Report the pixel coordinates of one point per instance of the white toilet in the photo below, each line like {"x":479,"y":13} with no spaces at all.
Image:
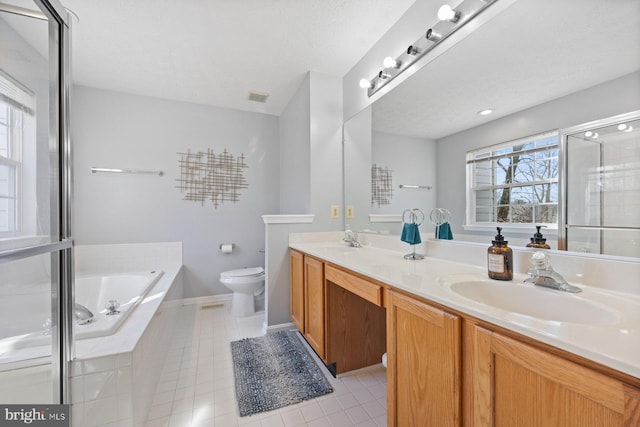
{"x":246,"y":284}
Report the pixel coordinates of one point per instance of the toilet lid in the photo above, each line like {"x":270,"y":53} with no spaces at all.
{"x":244,"y":272}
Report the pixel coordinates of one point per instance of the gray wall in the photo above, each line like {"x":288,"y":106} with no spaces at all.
{"x":357,"y":168}
{"x":311,"y":150}
{"x":618,"y":96}
{"x":295,"y":148}
{"x":118,"y":130}
{"x":311,"y":178}
{"x":325,"y":129}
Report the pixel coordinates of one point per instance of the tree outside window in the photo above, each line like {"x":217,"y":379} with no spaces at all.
{"x":515,"y":183}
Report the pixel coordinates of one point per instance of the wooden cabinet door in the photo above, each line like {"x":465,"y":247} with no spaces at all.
{"x":314,"y":313}
{"x":516,"y":385}
{"x":423,"y":364}
{"x":296,"y":265}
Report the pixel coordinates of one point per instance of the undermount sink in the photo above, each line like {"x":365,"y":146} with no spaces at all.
{"x":529,"y":300}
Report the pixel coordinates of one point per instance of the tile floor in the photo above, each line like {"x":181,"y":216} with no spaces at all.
{"x":196,"y":386}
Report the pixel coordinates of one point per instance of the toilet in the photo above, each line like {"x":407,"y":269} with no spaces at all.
{"x":246,"y":284}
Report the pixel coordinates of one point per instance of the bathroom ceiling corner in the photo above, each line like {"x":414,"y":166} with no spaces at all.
{"x":214,"y":52}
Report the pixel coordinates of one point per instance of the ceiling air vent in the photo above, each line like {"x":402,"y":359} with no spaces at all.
{"x":258,"y":96}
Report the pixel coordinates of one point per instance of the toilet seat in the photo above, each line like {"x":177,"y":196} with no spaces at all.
{"x":243,"y":272}
{"x":243,"y":275}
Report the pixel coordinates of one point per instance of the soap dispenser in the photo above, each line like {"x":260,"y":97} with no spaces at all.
{"x":537,"y":241}
{"x":500,"y":258}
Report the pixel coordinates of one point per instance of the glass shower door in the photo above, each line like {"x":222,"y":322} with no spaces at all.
{"x":35,"y":244}
{"x":603,"y":187}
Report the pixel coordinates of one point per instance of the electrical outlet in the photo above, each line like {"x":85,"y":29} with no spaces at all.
{"x":349,"y":212}
{"x":335,"y":211}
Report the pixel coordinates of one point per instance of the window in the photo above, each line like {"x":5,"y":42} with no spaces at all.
{"x":515,"y":182}
{"x":16,"y":102}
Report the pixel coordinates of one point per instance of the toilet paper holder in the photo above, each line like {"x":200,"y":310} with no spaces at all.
{"x":226,"y":245}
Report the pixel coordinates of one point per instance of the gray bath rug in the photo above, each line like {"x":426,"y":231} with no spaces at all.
{"x":275,"y":371}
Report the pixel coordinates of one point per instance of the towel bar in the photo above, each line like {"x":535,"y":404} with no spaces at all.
{"x":428,"y":187}
{"x":113,"y":170}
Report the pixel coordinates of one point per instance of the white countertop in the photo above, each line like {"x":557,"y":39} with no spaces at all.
{"x":614,"y":343}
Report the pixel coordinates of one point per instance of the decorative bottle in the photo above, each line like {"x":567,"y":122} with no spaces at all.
{"x":537,"y":241}
{"x":500,"y":258}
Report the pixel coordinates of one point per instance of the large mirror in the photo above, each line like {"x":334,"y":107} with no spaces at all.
{"x":539,"y":65}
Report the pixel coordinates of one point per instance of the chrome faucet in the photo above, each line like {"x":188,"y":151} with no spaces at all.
{"x":542,"y":274}
{"x":351,"y":238}
{"x":82,"y":314}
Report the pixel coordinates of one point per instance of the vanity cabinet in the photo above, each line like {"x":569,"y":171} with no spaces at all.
{"x":423,"y":364}
{"x":314,"y":305}
{"x":307,"y":299}
{"x":340,"y":314}
{"x":446,"y":368}
{"x":356,"y":321}
{"x":516,"y":384}
{"x":296,"y":283}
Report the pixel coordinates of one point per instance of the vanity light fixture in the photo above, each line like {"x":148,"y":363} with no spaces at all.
{"x":433,"y":36}
{"x":389,"y":62}
{"x":412,"y":50}
{"x":447,"y":13}
{"x":485,"y":112}
{"x":449,"y":21}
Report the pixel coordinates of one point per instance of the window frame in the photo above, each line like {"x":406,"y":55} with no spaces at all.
{"x":473,"y":189}
{"x":14,"y":162}
{"x":19,"y":101}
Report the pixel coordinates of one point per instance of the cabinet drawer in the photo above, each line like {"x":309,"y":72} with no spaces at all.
{"x":361,"y":287}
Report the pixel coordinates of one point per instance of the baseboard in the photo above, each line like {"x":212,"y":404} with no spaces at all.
{"x":208,"y":300}
{"x":277,"y":328}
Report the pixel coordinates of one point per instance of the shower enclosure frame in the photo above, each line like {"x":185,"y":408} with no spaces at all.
{"x":563,"y":214}
{"x":59,"y":131}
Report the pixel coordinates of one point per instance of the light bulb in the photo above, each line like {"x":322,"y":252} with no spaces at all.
{"x":588,"y":134}
{"x":629,"y":129}
{"x":447,"y":13}
{"x":365,"y":84}
{"x":485,"y":112}
{"x":389,"y":62}
{"x":622,"y":126}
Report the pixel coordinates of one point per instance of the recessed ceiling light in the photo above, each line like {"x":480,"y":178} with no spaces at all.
{"x":485,"y":112}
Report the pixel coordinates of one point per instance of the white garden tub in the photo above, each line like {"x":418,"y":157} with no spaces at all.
{"x":26,"y":311}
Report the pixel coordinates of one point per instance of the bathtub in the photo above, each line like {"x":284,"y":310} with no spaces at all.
{"x":25,"y":334}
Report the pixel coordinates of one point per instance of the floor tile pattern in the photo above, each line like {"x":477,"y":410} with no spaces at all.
{"x":196,"y":387}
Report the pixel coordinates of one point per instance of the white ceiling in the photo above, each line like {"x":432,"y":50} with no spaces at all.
{"x":215,"y":51}
{"x":533,"y":52}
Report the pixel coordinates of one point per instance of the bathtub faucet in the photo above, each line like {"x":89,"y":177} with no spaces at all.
{"x":82,"y":314}
{"x":112,"y":307}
